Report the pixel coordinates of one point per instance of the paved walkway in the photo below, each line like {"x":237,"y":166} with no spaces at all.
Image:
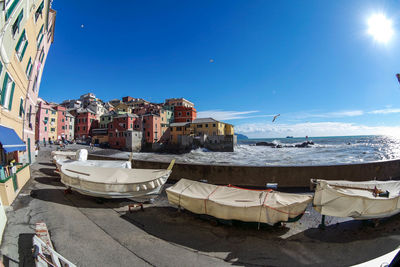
{"x":90,"y":233}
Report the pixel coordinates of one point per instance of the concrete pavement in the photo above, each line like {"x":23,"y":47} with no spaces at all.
{"x":93,"y":233}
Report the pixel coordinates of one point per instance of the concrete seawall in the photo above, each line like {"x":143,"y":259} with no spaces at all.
{"x":285,"y":176}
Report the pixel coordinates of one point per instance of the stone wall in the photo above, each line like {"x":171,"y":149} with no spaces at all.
{"x":285,"y":176}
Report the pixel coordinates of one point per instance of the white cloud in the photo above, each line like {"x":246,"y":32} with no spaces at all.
{"x":260,"y":130}
{"x":336,"y":114}
{"x":385,"y":111}
{"x":229,"y":115}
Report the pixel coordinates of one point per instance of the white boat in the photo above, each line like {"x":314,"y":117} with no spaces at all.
{"x":359,"y":200}
{"x":63,"y":155}
{"x":95,"y":163}
{"x":115,"y":182}
{"x":382,"y":261}
{"x":80,"y":159}
{"x":232,"y":203}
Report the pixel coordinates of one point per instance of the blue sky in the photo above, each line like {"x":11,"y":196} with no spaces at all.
{"x":313,"y":62}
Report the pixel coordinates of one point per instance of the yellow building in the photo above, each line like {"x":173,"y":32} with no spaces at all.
{"x":210,"y":126}
{"x":198,"y":127}
{"x":27,"y":28}
{"x":52,"y":130}
{"x":122,"y":107}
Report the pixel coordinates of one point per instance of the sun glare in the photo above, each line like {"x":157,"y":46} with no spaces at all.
{"x":380,"y":28}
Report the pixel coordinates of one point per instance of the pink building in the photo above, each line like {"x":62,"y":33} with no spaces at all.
{"x":34,"y":73}
{"x":42,"y":127}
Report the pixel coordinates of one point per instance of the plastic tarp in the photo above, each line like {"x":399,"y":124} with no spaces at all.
{"x":113,"y":182}
{"x":350,"y":199}
{"x":99,"y":163}
{"x":231,"y":203}
{"x":10,"y":141}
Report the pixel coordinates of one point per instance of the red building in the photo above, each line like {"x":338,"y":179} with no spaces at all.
{"x":151,"y":128}
{"x":127,"y":99}
{"x":119,"y":126}
{"x":184,"y":114}
{"x":62,"y":127}
{"x":85,"y":120}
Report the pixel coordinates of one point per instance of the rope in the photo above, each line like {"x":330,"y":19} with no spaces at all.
{"x":259,"y":217}
{"x":180,"y":194}
{"x":205,"y":200}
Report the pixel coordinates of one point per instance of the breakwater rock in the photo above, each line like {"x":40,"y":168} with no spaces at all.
{"x":304,"y":144}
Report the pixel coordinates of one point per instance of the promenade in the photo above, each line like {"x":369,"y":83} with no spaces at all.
{"x":95,"y":233}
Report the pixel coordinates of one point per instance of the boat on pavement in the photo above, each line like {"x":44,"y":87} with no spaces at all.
{"x":136,"y":184}
{"x":233,"y":203}
{"x":359,"y":200}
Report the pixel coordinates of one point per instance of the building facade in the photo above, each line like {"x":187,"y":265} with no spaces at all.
{"x":178,"y":102}
{"x":85,"y":120}
{"x":184,"y":114}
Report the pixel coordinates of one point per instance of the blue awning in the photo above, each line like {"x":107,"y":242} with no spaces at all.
{"x":10,"y":140}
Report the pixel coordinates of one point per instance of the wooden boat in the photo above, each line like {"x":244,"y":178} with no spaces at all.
{"x":360,"y":200}
{"x":115,"y":182}
{"x":43,"y":251}
{"x":233,"y":203}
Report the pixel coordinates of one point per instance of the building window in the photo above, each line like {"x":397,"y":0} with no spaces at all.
{"x":21,"y":108}
{"x":131,"y":125}
{"x":187,"y":113}
{"x":148,"y":134}
{"x":41,"y":56}
{"x":110,"y":126}
{"x":53,"y":129}
{"x":70,"y":127}
{"x":15,"y":27}
{"x":11,"y":8}
{"x":29,"y":116}
{"x":78,"y":128}
{"x":63,"y":127}
{"x":206,"y":125}
{"x":123,"y":126}
{"x":39,"y":11}
{"x":187,"y":120}
{"x":179,"y":113}
{"x":199,"y":126}
{"x":84,"y":128}
{"x":179,"y":128}
{"x":53,"y":112}
{"x":39,"y":37}
{"x":21,"y":46}
{"x":110,"y":135}
{"x":214,"y":125}
{"x":62,"y":120}
{"x":28,"y":70}
{"x":53,"y":120}
{"x":7,"y":92}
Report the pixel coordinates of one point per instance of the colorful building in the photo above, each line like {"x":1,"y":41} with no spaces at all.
{"x":178,"y":102}
{"x":184,"y":114}
{"x":42,"y":119}
{"x":151,"y":124}
{"x":61,"y":121}
{"x":85,"y":120}
{"x":53,"y":121}
{"x":118,"y":128}
{"x":69,"y":126}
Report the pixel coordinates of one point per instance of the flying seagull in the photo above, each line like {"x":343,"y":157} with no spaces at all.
{"x":276,"y":116}
{"x":398,"y":77}
{"x":211,"y":60}
{"x":82,"y":26}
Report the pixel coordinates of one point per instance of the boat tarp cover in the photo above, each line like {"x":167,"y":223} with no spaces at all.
{"x":98,"y":163}
{"x":100,"y":179}
{"x":231,"y":203}
{"x":350,"y":201}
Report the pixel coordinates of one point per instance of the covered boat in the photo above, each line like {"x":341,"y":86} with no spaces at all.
{"x":115,"y":182}
{"x":233,"y":203}
{"x":80,"y":159}
{"x":360,"y":200}
{"x":63,"y":155}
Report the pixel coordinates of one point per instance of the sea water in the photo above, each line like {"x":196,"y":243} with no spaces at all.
{"x":325,"y":151}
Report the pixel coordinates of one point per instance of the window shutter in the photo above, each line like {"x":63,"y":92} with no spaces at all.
{"x":20,"y":40}
{"x":11,"y":96}
{"x":3,"y":92}
{"x":21,"y":108}
{"x":23,"y":51}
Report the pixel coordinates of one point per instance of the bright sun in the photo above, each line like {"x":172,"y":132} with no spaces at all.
{"x":380,"y":27}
